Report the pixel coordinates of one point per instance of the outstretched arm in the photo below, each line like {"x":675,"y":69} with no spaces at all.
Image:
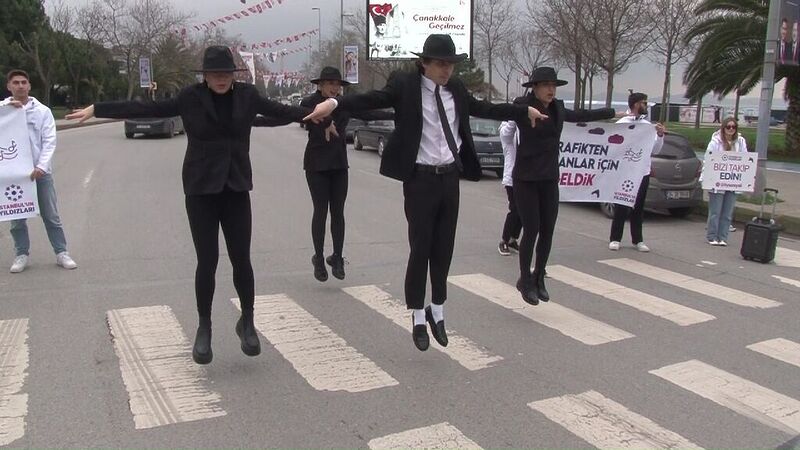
{"x":588,"y":115}
{"x":380,"y":99}
{"x":504,"y":111}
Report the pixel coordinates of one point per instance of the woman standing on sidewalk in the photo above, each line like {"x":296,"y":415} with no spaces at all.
{"x":721,"y":203}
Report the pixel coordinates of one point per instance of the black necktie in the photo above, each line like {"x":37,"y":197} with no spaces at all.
{"x":448,"y":133}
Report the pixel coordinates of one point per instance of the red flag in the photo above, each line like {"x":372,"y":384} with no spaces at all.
{"x":237,"y":15}
{"x":253,"y":10}
{"x":259,"y":8}
{"x":244,"y":13}
{"x":267,"y":2}
{"x":228,"y":18}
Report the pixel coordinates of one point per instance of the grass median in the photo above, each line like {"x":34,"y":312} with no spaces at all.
{"x":699,"y":137}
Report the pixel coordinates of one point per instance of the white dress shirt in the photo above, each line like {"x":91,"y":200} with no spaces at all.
{"x":509,"y":138}
{"x":41,"y":132}
{"x":433,"y":148}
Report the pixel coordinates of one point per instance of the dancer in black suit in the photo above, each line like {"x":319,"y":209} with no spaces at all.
{"x":430,"y":146}
{"x":217,"y":177}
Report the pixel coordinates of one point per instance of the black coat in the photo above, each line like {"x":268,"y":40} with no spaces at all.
{"x":537,"y":152}
{"x":216,"y":158}
{"x":403,"y":92}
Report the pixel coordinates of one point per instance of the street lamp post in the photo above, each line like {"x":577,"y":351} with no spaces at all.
{"x":319,"y":30}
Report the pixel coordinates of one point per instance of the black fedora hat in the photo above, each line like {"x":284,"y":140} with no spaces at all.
{"x":441,"y":46}
{"x":218,"y":58}
{"x":543,"y":74}
{"x":329,"y":73}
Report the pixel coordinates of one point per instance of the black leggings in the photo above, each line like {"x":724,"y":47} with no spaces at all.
{"x":537,"y":204}
{"x":206,"y":214}
{"x":328,"y":188}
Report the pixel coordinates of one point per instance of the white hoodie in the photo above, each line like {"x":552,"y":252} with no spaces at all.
{"x":41,"y":131}
{"x":716,"y":145}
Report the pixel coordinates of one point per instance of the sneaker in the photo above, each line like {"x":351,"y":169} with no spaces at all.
{"x":20,"y":263}
{"x":731,"y":229}
{"x":513,"y":245}
{"x":613,"y":245}
{"x":502,"y":248}
{"x":722,"y":244}
{"x":642,"y":247}
{"x":715,"y":243}
{"x":63,"y":260}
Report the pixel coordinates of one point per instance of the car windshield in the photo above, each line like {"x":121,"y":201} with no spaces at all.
{"x":675,"y":147}
{"x":484,"y":127}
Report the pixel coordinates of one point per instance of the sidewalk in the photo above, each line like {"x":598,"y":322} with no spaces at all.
{"x":64,"y":124}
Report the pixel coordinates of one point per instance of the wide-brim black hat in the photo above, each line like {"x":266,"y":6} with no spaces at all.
{"x":218,"y":58}
{"x":441,"y":46}
{"x":543,"y":74}
{"x":330,"y":74}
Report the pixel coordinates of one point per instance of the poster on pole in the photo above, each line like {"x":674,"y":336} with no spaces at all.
{"x":145,"y":75}
{"x":788,"y":53}
{"x":18,"y":197}
{"x":604,"y":162}
{"x":350,"y":63}
{"x":730,"y":171}
{"x":249,"y":62}
{"x":395,"y":29}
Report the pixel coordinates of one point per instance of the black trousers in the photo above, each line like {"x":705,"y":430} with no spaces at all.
{"x":328,"y":192}
{"x":431,"y":206}
{"x":206,"y":213}
{"x":537,"y":203}
{"x":513,"y":224}
{"x":636,"y":214}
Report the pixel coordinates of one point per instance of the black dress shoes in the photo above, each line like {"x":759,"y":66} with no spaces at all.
{"x":420,"y":335}
{"x":320,"y":272}
{"x":337,"y":265}
{"x":538,"y":279}
{"x":528,"y":290}
{"x":201,"y":353}
{"x":437,"y":328}
{"x":246,"y":330}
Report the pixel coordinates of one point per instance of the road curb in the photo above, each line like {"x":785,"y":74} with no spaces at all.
{"x":67,"y":126}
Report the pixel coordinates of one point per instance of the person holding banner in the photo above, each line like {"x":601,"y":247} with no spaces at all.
{"x":42,"y":138}
{"x":721,"y":203}
{"x":217,"y":177}
{"x":430,"y":146}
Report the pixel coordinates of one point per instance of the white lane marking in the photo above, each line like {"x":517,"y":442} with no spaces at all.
{"x":439,"y":436}
{"x":788,"y":281}
{"x":13,"y":366}
{"x":679,"y":314}
{"x":780,"y":349}
{"x":787,"y":257}
{"x":317,"y":353}
{"x":710,"y":263}
{"x":689,"y":283}
{"x":88,"y":178}
{"x":459,"y":348}
{"x":568,"y":322}
{"x":164,"y":384}
{"x":742,"y":396}
{"x":605,"y":423}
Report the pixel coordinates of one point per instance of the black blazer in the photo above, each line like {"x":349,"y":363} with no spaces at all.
{"x":403,"y":92}
{"x":538,"y":149}
{"x":216,"y":158}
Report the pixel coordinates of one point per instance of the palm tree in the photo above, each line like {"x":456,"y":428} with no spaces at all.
{"x":730,"y":56}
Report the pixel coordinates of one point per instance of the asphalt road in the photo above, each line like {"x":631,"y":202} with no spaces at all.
{"x":686,"y":345}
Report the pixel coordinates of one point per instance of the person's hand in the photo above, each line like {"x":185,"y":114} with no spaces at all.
{"x":331,"y":131}
{"x":534,"y":114}
{"x":15,"y":103}
{"x":660,"y":129}
{"x":621,"y":114}
{"x":321,"y":111}
{"x":37,"y":173}
{"x":81,"y":115}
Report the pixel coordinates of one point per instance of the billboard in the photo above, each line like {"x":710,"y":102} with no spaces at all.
{"x":350,"y":63}
{"x":788,"y":53}
{"x":398,"y":28}
{"x":145,"y":77}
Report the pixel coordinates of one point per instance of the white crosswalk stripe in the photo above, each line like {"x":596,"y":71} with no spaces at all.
{"x":780,"y":349}
{"x":13,"y":370}
{"x":689,"y":283}
{"x":679,"y":314}
{"x":459,"y":348}
{"x":742,"y":396}
{"x":439,"y":436}
{"x":164,"y":385}
{"x":319,"y":355}
{"x":789,"y":281}
{"x":605,"y":423}
{"x":560,"y":318}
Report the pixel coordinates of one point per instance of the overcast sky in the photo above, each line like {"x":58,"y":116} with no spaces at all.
{"x":296,"y":16}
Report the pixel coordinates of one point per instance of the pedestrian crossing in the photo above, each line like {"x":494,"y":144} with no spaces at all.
{"x":13,"y":371}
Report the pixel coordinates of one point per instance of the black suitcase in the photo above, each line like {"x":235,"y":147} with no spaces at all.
{"x":761,"y":234}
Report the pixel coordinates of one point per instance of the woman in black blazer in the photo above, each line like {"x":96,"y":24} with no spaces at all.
{"x":217,"y":177}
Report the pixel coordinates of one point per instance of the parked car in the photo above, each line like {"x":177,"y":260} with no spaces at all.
{"x":351,"y":128}
{"x":486,"y":135}
{"x":674,"y":179}
{"x":374,"y":134}
{"x":162,"y":126}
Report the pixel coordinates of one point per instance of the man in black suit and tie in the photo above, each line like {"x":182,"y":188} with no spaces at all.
{"x":430,"y":146}
{"x":785,"y":45}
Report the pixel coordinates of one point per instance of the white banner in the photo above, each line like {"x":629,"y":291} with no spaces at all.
{"x":19,"y":198}
{"x":396,"y":29}
{"x":730,"y":171}
{"x":145,"y":77}
{"x":249,"y":61}
{"x":603,"y":162}
{"x":350,"y":63}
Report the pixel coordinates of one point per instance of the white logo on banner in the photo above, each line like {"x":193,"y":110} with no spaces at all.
{"x":247,"y":58}
{"x":603,"y":162}
{"x":730,"y":171}
{"x":19,"y":198}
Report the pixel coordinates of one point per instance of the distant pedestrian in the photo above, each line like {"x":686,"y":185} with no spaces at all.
{"x":512,"y":226}
{"x":721,"y":203}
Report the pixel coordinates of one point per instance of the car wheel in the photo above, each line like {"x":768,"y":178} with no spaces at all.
{"x":608,"y":209}
{"x":499,"y":173}
{"x":357,"y":143}
{"x":380,"y":148}
{"x":129,"y":135}
{"x":679,"y":212}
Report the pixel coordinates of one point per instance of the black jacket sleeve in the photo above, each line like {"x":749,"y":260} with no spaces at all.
{"x":269,"y":121}
{"x":271,"y":108}
{"x":379,"y":99}
{"x":588,"y":115}
{"x":373,"y":115}
{"x":136,"y":109}
{"x":497,"y":111}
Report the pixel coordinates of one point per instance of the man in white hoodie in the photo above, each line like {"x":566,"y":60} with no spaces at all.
{"x":42,"y":133}
{"x":637,"y":113}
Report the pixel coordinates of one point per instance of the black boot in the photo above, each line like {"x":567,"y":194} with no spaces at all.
{"x":527,"y":288}
{"x":201,"y":353}
{"x":320,"y":272}
{"x":337,"y":265}
{"x":538,"y":279}
{"x":246,"y":330}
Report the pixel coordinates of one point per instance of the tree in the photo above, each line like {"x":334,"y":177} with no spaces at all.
{"x":40,"y":49}
{"x":495,"y":22}
{"x":471,"y":75}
